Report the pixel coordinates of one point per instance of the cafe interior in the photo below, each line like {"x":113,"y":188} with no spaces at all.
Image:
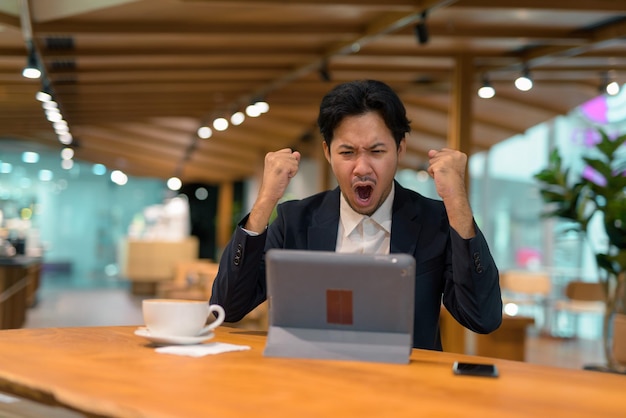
{"x":133,"y":132}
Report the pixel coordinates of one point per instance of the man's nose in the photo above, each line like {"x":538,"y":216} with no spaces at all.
{"x":362,"y":165}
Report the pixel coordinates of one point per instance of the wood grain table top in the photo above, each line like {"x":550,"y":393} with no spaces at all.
{"x":109,"y":371}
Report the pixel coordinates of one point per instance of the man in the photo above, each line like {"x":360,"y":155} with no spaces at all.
{"x":364,"y":124}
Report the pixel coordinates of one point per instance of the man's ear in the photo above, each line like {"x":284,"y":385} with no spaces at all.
{"x":326,"y":151}
{"x":401,"y":149}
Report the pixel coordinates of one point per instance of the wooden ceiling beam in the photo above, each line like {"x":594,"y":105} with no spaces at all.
{"x":104,"y":29}
{"x":144,"y":132}
{"x":384,"y":25}
{"x":131,"y":146}
{"x":194,"y":173}
{"x":138,"y":151}
{"x":599,"y":37}
{"x":130,"y":89}
{"x":338,"y":3}
{"x":145,"y":75}
{"x":129,"y":74}
{"x":570,"y":5}
{"x":10,"y":20}
{"x":142,"y":165}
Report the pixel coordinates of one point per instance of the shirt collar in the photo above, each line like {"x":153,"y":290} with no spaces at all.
{"x":350,"y":219}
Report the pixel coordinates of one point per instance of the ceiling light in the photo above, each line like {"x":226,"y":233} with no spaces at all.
{"x":220,"y":124}
{"x":32,"y":67}
{"x":60,"y":126}
{"x":50,"y":104}
{"x":237,"y":118}
{"x":486,"y":91}
{"x":174,"y":183}
{"x":608,"y":85}
{"x":30,"y":157}
{"x":612,"y":88}
{"x":421,"y":30}
{"x":65,"y":138}
{"x":524,"y":82}
{"x":253,"y":111}
{"x":118,"y":177}
{"x":99,"y":169}
{"x":43,"y":95}
{"x":262,"y":105}
{"x":54,"y":115}
{"x":205,"y":132}
{"x":67,"y":153}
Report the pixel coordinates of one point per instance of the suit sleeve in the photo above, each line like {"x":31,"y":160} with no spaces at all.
{"x":239,"y":286}
{"x":472,"y":290}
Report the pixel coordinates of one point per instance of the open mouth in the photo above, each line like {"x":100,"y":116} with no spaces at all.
{"x":364,"y":193}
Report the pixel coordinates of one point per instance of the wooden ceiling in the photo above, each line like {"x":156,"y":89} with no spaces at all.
{"x":136,"y":79}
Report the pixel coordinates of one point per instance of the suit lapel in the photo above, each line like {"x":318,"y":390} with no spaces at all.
{"x":404,"y":226}
{"x":322,"y":234}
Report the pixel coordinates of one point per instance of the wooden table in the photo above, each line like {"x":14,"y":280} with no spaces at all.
{"x":109,"y":371}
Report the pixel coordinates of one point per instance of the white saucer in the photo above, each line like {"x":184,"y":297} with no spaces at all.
{"x":168,"y":340}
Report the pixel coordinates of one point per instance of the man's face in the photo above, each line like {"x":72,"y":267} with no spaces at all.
{"x":364,"y":159}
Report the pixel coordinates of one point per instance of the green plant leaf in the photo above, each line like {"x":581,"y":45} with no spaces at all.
{"x":579,"y":201}
{"x":607,"y":146}
{"x":600,"y":166}
{"x":547,"y":176}
{"x":552,"y":196}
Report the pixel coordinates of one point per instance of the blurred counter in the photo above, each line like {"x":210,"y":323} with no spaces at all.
{"x":19,"y":281}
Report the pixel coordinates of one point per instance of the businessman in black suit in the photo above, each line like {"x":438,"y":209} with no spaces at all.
{"x":363,"y":124}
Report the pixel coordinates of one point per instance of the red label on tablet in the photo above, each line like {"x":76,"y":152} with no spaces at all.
{"x":339,"y":306}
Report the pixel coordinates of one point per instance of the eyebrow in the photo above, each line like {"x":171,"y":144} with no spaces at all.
{"x":375,"y":145}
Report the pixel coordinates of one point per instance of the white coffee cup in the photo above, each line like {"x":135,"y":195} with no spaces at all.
{"x":179,"y":317}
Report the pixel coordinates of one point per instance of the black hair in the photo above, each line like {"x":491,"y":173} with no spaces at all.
{"x":357,"y":98}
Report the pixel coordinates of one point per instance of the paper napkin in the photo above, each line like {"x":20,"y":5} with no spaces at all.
{"x":200,"y":350}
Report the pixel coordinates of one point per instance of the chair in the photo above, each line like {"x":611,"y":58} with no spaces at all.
{"x":619,"y":338}
{"x":580,"y":298}
{"x":194,"y":280}
{"x":529,"y":289}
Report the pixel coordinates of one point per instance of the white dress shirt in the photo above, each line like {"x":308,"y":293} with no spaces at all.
{"x":365,"y":234}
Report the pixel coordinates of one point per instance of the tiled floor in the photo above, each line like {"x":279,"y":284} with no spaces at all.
{"x":63,"y":301}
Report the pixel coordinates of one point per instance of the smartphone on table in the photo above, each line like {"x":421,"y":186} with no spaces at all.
{"x":475,"y":369}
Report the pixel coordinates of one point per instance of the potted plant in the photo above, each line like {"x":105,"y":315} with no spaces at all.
{"x":600,"y":188}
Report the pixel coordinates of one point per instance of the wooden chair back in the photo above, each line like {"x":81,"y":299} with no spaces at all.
{"x":194,"y":280}
{"x":526,"y":282}
{"x":196,"y":273}
{"x":585,"y":291}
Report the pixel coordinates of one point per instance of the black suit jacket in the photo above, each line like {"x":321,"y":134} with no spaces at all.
{"x":459,"y":272}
